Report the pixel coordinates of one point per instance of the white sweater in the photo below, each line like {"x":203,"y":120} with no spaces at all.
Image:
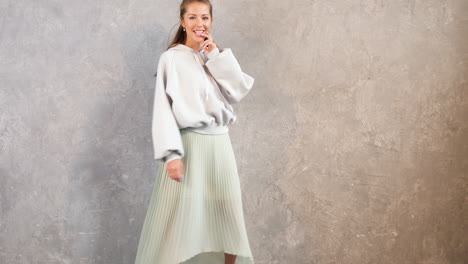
{"x":194,"y":91}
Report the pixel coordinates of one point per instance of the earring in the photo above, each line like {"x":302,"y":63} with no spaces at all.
{"x":184,"y":29}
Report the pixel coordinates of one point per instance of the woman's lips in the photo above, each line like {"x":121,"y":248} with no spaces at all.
{"x":199,"y":32}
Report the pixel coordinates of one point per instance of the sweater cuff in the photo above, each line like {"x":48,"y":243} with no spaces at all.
{"x":213,"y":53}
{"x":171,"y":157}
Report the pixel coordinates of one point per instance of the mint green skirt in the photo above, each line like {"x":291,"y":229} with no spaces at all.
{"x":197,"y":220}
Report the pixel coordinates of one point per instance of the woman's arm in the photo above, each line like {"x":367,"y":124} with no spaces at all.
{"x":234,"y":83}
{"x":166,"y":136}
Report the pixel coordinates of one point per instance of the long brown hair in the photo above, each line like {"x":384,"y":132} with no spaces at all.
{"x":180,"y":35}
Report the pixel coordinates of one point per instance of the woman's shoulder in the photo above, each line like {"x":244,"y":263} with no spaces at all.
{"x":166,"y":53}
{"x":166,"y":56}
{"x":169,"y":52}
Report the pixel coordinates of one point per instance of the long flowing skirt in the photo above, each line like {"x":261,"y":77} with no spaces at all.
{"x":197,"y":220}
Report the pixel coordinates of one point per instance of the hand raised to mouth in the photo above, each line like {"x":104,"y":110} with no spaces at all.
{"x":208,"y":44}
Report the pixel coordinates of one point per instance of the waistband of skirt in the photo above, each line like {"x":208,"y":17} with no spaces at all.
{"x":211,"y":130}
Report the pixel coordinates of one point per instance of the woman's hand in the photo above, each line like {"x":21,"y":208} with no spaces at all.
{"x":208,"y":45}
{"x":175,"y":169}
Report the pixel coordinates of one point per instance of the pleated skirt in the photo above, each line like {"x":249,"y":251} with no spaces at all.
{"x":197,"y":220}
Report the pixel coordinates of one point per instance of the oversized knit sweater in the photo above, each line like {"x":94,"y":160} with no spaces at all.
{"x":194,"y":90}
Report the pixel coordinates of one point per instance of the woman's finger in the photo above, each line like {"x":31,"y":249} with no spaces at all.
{"x":206,"y":43}
{"x":202,"y":45}
{"x":208,"y":35}
{"x":176,"y":177}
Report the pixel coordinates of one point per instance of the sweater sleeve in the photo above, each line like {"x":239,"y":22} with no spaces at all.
{"x":167,"y":141}
{"x":234,"y":83}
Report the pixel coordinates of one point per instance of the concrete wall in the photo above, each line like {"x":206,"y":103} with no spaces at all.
{"x":352,"y":147}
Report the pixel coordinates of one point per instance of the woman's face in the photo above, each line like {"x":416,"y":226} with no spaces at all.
{"x":196,"y":19}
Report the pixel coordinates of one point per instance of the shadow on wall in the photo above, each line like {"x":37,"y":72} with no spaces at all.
{"x":113,"y":174}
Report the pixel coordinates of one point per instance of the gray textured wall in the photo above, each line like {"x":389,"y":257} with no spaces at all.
{"x":352,"y":146}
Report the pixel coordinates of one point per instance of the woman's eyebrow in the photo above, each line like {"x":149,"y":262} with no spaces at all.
{"x":196,"y":14}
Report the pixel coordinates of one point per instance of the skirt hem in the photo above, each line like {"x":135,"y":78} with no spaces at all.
{"x":248,"y":257}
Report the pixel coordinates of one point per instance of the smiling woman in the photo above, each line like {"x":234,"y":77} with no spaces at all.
{"x":195,"y":26}
{"x":192,"y":20}
{"x":197,"y":23}
{"x":195,"y":215}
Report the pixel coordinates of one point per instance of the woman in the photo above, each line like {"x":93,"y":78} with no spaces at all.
{"x":195,"y":212}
